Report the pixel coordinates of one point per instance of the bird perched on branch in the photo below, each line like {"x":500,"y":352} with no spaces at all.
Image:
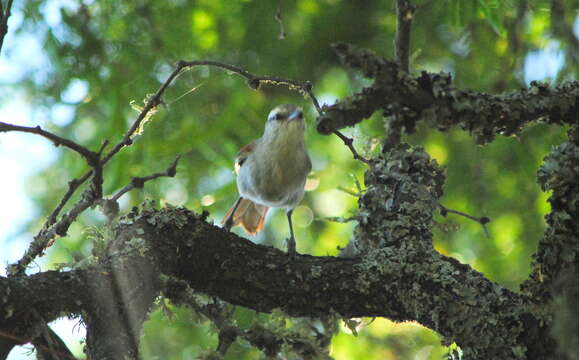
{"x":271,"y":172}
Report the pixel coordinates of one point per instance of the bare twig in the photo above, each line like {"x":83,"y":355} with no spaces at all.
{"x":150,"y":105}
{"x":138,"y":182}
{"x":254,"y":81}
{"x":43,"y":239}
{"x":563,"y":30}
{"x":4,"y":15}
{"x":91,"y":195}
{"x":483,"y":220}
{"x":48,"y":233}
{"x":277,"y":17}
{"x":57,"y":140}
{"x":405,"y":13}
{"x":50,"y":346}
{"x":220,"y":313}
{"x":72,"y":186}
{"x":349,"y":143}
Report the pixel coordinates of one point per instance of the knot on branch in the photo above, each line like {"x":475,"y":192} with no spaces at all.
{"x":401,"y":197}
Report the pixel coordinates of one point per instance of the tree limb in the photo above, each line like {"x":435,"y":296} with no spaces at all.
{"x":444,"y":106}
{"x":4,"y":15}
{"x":561,"y":29}
{"x":405,"y":14}
{"x":90,"y":156}
{"x":557,"y":253}
{"x":139,"y":181}
{"x":440,"y":293}
{"x":50,"y":346}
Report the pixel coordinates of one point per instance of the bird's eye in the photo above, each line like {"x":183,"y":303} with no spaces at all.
{"x":278,"y":116}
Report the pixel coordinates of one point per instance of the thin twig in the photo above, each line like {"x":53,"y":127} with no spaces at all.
{"x":139,"y":182}
{"x":563,"y":30}
{"x":52,"y":228}
{"x":277,"y":17}
{"x":72,"y":186}
{"x":404,"y":13}
{"x":349,"y":143}
{"x":90,"y":156}
{"x":254,"y":81}
{"x":4,"y":15}
{"x":483,"y":220}
{"x":152,"y":103}
{"x":50,"y":346}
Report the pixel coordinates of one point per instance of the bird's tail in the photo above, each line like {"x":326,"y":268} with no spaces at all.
{"x":249,"y":215}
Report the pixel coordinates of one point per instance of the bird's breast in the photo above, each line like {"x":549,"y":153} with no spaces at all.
{"x":275,"y":177}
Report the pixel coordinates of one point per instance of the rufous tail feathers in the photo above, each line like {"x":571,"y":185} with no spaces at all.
{"x":249,"y":215}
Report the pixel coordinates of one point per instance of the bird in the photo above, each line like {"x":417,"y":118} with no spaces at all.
{"x":271,"y":173}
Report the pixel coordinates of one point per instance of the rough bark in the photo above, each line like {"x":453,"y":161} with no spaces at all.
{"x":400,"y":276}
{"x":433,"y":98}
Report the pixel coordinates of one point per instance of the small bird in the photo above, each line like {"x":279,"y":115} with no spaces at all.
{"x":271,"y":172}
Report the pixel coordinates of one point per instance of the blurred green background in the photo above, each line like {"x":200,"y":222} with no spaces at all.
{"x":95,"y":57}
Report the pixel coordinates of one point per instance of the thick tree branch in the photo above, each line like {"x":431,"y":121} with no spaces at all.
{"x":435,"y":98}
{"x":437,"y":291}
{"x":400,"y":277}
{"x":558,"y":251}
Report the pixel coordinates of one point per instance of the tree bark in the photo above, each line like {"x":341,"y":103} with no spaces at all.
{"x":400,"y":276}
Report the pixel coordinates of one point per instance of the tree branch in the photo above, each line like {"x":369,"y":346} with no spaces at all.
{"x":436,"y":291}
{"x":50,"y":346}
{"x":4,"y":15}
{"x":90,"y":156}
{"x":255,"y":81}
{"x":405,"y":14}
{"x":440,"y":103}
{"x":139,"y":182}
{"x":557,"y":252}
{"x":561,"y":29}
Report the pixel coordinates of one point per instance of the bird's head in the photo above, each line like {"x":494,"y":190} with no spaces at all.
{"x":286,"y":118}
{"x":285,"y":112}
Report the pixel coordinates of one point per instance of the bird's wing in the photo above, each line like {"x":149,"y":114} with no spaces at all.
{"x":243,"y":154}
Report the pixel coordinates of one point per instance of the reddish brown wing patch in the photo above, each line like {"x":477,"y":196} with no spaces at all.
{"x":246,"y":149}
{"x":242,"y":155}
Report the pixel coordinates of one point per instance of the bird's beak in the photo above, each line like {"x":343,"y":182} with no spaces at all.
{"x":298,"y":114}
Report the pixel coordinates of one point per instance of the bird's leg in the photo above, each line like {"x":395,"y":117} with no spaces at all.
{"x":229,"y":222}
{"x":291,"y":242}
